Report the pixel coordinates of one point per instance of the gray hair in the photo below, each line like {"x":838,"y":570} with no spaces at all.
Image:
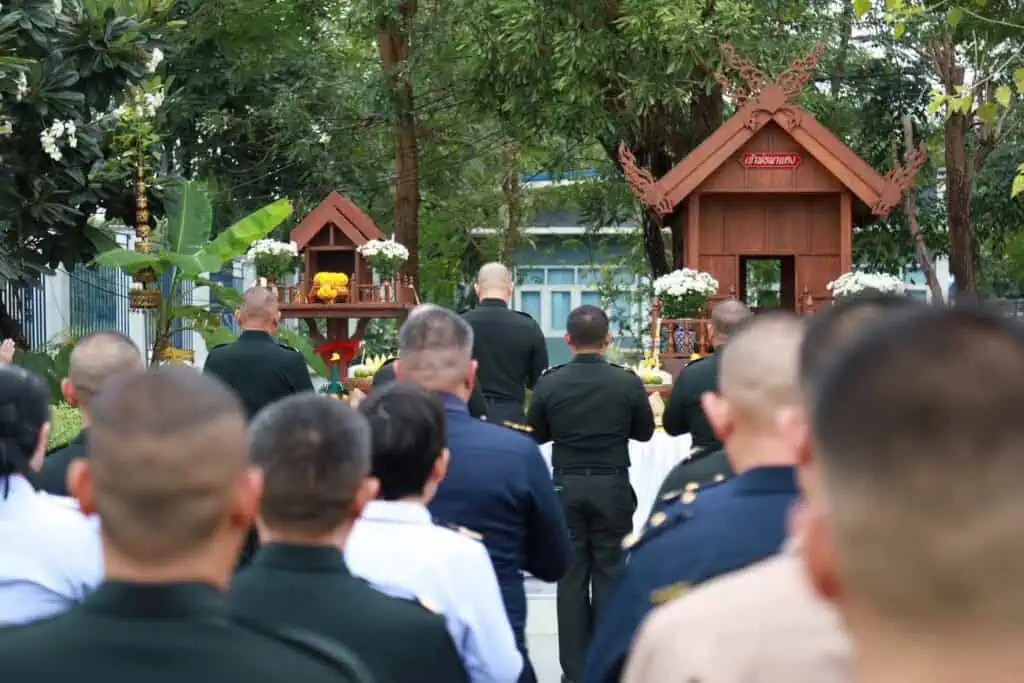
{"x":435,"y":348}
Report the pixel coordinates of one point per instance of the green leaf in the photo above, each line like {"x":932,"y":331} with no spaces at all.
{"x":190,"y":265}
{"x":217,"y":336}
{"x":189,"y":217}
{"x":954,"y":16}
{"x":988,"y":113}
{"x":1003,"y":95}
{"x":1018,"y":185}
{"x":229,"y":297}
{"x":899,"y":30}
{"x":1018,"y":80}
{"x":861,"y":7}
{"x":301,"y":344}
{"x":129,"y":260}
{"x":236,"y":240}
{"x":938,"y":99}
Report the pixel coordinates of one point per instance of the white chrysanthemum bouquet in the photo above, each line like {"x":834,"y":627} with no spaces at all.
{"x":684,"y":292}
{"x":386,"y":256}
{"x":858,"y":282}
{"x":273,"y":259}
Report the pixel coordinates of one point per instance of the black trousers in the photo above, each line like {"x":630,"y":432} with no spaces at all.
{"x":500,"y":411}
{"x":599,"y":507}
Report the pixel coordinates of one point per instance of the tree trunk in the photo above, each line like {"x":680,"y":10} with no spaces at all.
{"x":845,"y":34}
{"x":511,"y":190}
{"x":393,"y":41}
{"x":924,"y":258}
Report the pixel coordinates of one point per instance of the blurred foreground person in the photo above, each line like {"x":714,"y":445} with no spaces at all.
{"x":764,"y":624}
{"x":497,"y":483}
{"x":50,"y":554}
{"x":95,"y":360}
{"x":926,"y":569}
{"x":299,"y":577}
{"x":173,"y":519}
{"x":399,"y":549}
{"x":728,"y":526}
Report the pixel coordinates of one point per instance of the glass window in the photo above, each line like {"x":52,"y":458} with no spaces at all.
{"x":561,"y":276}
{"x":623,"y":278}
{"x":530,"y":276}
{"x":590,"y":298}
{"x":590,"y":276}
{"x":529,"y":303}
{"x":561,"y":305}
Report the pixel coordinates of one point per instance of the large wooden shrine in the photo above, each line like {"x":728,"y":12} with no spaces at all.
{"x":328,"y":240}
{"x":771,"y":184}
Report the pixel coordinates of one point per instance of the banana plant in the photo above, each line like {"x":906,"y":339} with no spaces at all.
{"x":184,"y":254}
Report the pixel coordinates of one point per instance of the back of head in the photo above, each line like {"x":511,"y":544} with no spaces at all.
{"x":726,"y":317}
{"x":758,"y":372}
{"x":24,"y":410}
{"x":587,"y":328}
{"x":408,"y":426}
{"x":259,"y":309}
{"x":98,"y":358}
{"x":435,"y":349}
{"x":166,"y":448}
{"x":493,"y":281}
{"x":315,"y":453}
{"x":917,"y":425}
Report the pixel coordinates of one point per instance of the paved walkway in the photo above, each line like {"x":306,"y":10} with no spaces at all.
{"x":542,"y":631}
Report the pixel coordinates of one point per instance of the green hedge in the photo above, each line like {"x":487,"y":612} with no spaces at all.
{"x":65,"y":426}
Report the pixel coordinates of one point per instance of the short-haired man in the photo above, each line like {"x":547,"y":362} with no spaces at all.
{"x":508,"y":345}
{"x":685,"y":414}
{"x":589,"y":409}
{"x":728,"y":526}
{"x":299,"y":577}
{"x":95,"y":360}
{"x":398,"y":548}
{"x":764,"y":624}
{"x":173,"y":520}
{"x":926,"y":568}
{"x":497,"y":483}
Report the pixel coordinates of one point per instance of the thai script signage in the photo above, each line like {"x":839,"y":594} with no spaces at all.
{"x":768,"y":160}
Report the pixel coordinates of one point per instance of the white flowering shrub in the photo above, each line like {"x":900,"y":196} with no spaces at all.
{"x":386,"y":256}
{"x":684,"y":292}
{"x":272,"y":259}
{"x":60,"y":134}
{"x":859,"y":282}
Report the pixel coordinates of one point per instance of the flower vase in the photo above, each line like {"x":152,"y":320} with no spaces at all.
{"x":685,"y":341}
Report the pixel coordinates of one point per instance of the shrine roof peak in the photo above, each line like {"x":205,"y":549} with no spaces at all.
{"x":342,"y":212}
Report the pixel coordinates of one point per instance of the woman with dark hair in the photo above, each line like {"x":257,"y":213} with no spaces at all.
{"x":50,"y":554}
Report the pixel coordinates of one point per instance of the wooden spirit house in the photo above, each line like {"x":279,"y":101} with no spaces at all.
{"x":328,"y":240}
{"x":771,"y":184}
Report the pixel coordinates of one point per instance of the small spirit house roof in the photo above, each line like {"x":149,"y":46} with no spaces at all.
{"x":343,"y":215}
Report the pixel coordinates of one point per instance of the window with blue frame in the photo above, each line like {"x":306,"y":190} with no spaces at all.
{"x":529,"y":303}
{"x":590,"y":298}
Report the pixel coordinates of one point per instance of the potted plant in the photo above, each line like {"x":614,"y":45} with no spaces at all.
{"x":859,"y":283}
{"x":683,"y":293}
{"x":273,"y":260}
{"x":385,"y":257}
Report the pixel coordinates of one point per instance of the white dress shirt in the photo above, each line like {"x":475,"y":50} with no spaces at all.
{"x":50,"y":553}
{"x":397,"y":548}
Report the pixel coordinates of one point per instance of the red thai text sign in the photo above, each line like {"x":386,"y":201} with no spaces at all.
{"x":768,"y":160}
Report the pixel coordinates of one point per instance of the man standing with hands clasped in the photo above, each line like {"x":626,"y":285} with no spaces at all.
{"x":590,"y":409}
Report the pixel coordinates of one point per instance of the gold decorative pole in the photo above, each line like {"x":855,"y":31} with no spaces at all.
{"x":656,"y":308}
{"x":145,"y":296}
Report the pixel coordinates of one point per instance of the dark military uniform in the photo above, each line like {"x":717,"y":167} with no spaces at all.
{"x":684,"y":414}
{"x":311,"y":588}
{"x":53,"y":476}
{"x":261,"y":371}
{"x":167,"y":633}
{"x":510,"y":350}
{"x":477,"y":403}
{"x":712,"y":468}
{"x":498,"y":486}
{"x":589,"y":409}
{"x":708,"y":532}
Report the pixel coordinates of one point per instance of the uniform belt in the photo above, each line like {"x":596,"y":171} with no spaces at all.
{"x":588,"y":471}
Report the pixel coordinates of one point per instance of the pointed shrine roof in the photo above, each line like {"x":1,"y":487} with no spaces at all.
{"x":339,"y":211}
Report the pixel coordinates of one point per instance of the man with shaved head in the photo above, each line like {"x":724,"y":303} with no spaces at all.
{"x":95,"y":361}
{"x":708,"y":532}
{"x":508,"y":346}
{"x":173,"y":519}
{"x":257,"y":367}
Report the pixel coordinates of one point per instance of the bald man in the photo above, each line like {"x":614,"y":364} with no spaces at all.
{"x":259,"y":369}
{"x":95,"y":361}
{"x":709,"y":532}
{"x":508,"y":346}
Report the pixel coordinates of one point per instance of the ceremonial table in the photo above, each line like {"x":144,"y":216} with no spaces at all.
{"x":651,"y":461}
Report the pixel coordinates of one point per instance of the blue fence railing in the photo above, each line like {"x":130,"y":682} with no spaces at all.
{"x":26,"y":303}
{"x":232,"y":279}
{"x":99,"y":300}
{"x":181,"y":339}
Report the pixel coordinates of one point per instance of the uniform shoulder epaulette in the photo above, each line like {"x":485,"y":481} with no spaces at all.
{"x":656,"y":525}
{"x":220,"y":346}
{"x":465,"y":532}
{"x":285,"y":346}
{"x":548,"y":371}
{"x":688,"y":494}
{"x":526,"y":429}
{"x":525,"y":314}
{"x":623,"y":367}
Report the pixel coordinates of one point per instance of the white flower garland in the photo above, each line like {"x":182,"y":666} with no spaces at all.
{"x":855,"y":282}
{"x":686,"y":282}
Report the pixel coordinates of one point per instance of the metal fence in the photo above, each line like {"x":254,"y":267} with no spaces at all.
{"x":26,"y":303}
{"x":99,"y":300}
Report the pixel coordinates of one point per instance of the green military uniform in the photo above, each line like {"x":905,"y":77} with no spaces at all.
{"x":259,"y":369}
{"x":589,"y":409}
{"x":477,"y":403}
{"x":168,"y":633}
{"x":311,"y":588}
{"x":510,"y":350}
{"x":685,"y":414}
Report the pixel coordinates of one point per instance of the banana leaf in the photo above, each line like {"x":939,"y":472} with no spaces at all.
{"x":217,"y":336}
{"x":301,"y":344}
{"x":189,"y":218}
{"x":130,"y":261}
{"x":236,"y":240}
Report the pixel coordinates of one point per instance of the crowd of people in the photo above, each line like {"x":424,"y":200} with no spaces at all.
{"x":847,"y":513}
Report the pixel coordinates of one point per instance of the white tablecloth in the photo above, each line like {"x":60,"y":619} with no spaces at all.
{"x":651,"y":461}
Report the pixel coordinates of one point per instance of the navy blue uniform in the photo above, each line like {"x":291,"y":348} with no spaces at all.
{"x":707,"y":533}
{"x":499,"y":486}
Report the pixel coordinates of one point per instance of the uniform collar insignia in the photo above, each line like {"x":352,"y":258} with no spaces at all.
{"x":466,"y":532}
{"x":669,"y":593}
{"x":518,"y":427}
